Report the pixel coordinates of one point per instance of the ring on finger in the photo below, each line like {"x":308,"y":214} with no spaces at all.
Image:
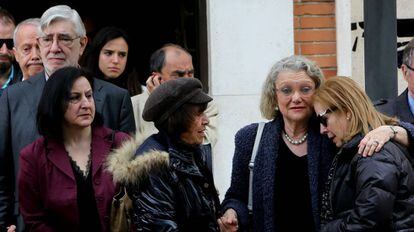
{"x":376,"y":142}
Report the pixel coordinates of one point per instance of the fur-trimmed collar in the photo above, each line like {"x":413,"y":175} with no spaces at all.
{"x":127,"y":168}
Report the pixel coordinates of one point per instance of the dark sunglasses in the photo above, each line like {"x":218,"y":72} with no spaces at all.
{"x":322,"y":117}
{"x":9,"y":43}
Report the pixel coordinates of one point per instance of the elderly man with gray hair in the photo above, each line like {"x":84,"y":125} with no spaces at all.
{"x":26,"y":50}
{"x":62,"y":40}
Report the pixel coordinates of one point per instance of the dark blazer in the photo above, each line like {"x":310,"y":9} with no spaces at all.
{"x":18,"y":109}
{"x":48,"y":193}
{"x":320,"y":153}
{"x":398,"y":107}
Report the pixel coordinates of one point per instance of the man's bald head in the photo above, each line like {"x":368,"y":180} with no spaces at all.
{"x":171,"y":62}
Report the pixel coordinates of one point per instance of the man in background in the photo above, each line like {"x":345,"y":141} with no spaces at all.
{"x":167,"y":63}
{"x":402,"y":106}
{"x":26,"y":50}
{"x":9,"y":72}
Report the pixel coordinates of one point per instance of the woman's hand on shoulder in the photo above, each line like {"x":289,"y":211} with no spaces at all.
{"x":375,"y":139}
{"x":228,"y":222}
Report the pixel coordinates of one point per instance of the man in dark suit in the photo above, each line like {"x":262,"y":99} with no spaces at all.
{"x":9,"y":70}
{"x":403,"y":105}
{"x":62,"y":41}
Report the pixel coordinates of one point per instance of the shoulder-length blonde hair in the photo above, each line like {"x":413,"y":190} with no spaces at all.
{"x":344,"y":95}
{"x":268,"y":101}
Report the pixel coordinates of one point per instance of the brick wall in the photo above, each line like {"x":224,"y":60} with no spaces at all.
{"x":315,"y":32}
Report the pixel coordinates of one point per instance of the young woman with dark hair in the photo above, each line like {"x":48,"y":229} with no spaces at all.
{"x":111,"y":58}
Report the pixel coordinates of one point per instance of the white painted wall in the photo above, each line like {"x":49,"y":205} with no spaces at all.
{"x":343,"y":37}
{"x":245,"y":39}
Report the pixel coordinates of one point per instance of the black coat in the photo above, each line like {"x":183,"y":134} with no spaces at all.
{"x":171,"y":187}
{"x":370,"y":194}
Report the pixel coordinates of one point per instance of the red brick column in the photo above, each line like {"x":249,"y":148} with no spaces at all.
{"x":315,"y":32}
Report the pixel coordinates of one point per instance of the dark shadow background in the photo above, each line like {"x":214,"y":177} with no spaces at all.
{"x":150,"y":24}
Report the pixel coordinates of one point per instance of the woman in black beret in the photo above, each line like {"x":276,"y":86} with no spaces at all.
{"x":170,"y":184}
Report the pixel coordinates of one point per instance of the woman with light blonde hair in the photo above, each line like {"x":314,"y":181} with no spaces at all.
{"x":362,"y":193}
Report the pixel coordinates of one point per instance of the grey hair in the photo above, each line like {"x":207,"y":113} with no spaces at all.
{"x":295,"y":63}
{"x":408,"y":53}
{"x":32,"y":21}
{"x":63,"y":12}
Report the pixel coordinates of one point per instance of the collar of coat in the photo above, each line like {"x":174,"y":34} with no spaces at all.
{"x":352,"y":145}
{"x":128,"y":168}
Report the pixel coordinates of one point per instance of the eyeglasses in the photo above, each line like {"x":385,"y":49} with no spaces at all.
{"x":409,"y":67}
{"x":9,"y":43}
{"x":322,"y":117}
{"x":288,"y":91}
{"x":62,"y":40}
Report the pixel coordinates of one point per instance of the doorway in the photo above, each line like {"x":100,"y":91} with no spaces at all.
{"x":150,"y":25}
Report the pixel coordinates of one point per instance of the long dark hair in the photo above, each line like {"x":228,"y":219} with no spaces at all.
{"x":129,"y":78}
{"x":54,"y":101}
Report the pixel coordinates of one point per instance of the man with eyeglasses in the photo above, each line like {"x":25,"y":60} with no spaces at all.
{"x":9,"y":71}
{"x":402,"y":106}
{"x":62,"y":40}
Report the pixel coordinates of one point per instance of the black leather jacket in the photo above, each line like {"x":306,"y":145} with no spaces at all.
{"x":171,"y":187}
{"x":370,"y":194}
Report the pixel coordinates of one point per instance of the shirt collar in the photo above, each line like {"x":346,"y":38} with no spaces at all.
{"x":411,"y":102}
{"x":5,"y":85}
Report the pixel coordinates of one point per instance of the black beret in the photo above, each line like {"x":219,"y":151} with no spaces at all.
{"x":169,"y":96}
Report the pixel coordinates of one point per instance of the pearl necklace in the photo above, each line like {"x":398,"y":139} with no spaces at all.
{"x":295,"y":142}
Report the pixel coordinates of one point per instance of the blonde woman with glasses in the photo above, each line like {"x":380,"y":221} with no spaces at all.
{"x":292,"y":160}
